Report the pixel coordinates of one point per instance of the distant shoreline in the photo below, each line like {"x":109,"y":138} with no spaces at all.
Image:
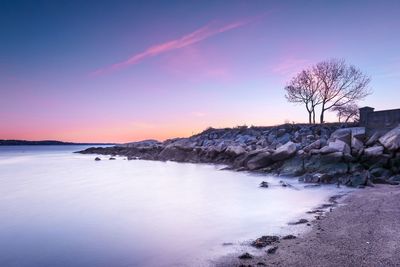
{"x":46,"y":143}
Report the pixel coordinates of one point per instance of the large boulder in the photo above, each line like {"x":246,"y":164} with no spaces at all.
{"x":284,"y":152}
{"x":262,"y":159}
{"x":391,"y":140}
{"x":373,"y":139}
{"x":336,"y":146}
{"x":343,"y":135}
{"x":235,"y":150}
{"x":359,"y":179}
{"x":313,"y":145}
{"x":380,"y":172}
{"x":357,"y":146}
{"x":374,"y":151}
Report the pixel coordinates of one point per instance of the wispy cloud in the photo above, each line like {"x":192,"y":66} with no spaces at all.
{"x":289,"y":65}
{"x":199,"y":35}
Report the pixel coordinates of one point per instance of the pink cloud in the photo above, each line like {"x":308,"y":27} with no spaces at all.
{"x":197,"y":36}
{"x":192,"y":63}
{"x":289,"y":66}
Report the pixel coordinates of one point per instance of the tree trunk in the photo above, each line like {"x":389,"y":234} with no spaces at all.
{"x":322,"y":113}
{"x":313,"y":114}
{"x":309,"y":117}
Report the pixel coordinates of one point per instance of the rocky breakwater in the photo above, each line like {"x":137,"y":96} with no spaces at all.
{"x":328,"y":153}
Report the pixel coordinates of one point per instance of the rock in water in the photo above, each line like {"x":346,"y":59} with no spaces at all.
{"x":287,"y":237}
{"x":391,"y":140}
{"x":97,"y":159}
{"x":245,"y":256}
{"x":261,"y":160}
{"x":272,"y":250}
{"x":264,"y":241}
{"x":301,"y":221}
{"x":264,"y":184}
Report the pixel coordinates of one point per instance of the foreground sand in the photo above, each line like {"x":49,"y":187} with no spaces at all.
{"x":363,"y":231}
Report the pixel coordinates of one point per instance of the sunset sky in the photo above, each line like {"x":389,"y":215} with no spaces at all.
{"x":118,"y":71}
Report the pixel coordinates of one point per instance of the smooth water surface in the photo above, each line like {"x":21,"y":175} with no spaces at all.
{"x":58,"y":208}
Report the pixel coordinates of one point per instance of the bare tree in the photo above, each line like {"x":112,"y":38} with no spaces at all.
{"x":346,"y":113}
{"x":304,"y":89}
{"x":341,"y":84}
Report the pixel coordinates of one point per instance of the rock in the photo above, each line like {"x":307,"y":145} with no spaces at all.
{"x":235,"y":150}
{"x":97,"y":159}
{"x":391,"y":140}
{"x":264,"y":241}
{"x":264,"y":184}
{"x":380,"y":172}
{"x":245,"y":256}
{"x":261,"y":160}
{"x":142,"y":144}
{"x":292,"y":167}
{"x":357,"y":146}
{"x":359,"y":179}
{"x":343,"y":135}
{"x":227,"y":244}
{"x":272,"y":250}
{"x":379,"y":180}
{"x":373,"y":139}
{"x":112,"y":158}
{"x":301,"y":221}
{"x":373,"y":151}
{"x":284,"y":152}
{"x":340,"y":146}
{"x":284,"y":138}
{"x":287,"y":237}
{"x":395,"y":178}
{"x":395,"y":165}
{"x":312,"y":146}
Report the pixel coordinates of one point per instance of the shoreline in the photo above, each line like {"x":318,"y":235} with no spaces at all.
{"x":362,"y":230}
{"x":331,"y":153}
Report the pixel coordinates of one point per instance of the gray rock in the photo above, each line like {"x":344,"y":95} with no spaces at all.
{"x":235,"y":150}
{"x":391,"y":140}
{"x":395,"y":178}
{"x":284,"y":152}
{"x":374,"y":151}
{"x":272,"y":250}
{"x":301,"y":221}
{"x":245,"y":256}
{"x":357,"y":146}
{"x":313,"y":145}
{"x":262,"y":159}
{"x":373,"y":139}
{"x":264,"y":241}
{"x":97,"y":159}
{"x":343,"y":135}
{"x":359,"y":179}
{"x":340,"y":146}
{"x":380,"y":172}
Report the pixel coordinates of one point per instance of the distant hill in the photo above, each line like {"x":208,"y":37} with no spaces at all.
{"x":44,"y":142}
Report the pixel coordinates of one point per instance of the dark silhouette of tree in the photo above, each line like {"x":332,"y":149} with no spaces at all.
{"x":346,"y":113}
{"x":331,"y":84}
{"x":341,"y":84}
{"x":304,"y":89}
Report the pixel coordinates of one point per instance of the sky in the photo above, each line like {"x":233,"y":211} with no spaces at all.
{"x":121,"y":71}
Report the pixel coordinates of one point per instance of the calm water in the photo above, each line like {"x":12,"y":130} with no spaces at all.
{"x":63,"y":209}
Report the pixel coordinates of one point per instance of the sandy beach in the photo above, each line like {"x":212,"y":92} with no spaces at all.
{"x":363,"y":230}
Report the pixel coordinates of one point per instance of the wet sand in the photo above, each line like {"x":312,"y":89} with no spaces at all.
{"x":364,"y":230}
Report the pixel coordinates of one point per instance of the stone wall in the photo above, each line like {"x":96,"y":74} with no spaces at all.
{"x":380,"y":120}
